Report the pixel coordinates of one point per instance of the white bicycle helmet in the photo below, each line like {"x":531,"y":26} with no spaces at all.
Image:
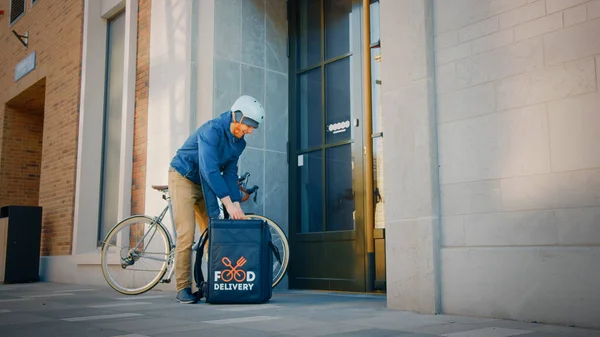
{"x":250,"y":108}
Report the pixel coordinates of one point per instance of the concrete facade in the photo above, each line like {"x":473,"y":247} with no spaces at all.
{"x":408,"y":102}
{"x":518,"y":100}
{"x":250,"y":58}
{"x":489,"y":113}
{"x":515,"y":90}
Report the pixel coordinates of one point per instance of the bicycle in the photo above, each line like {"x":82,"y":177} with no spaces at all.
{"x":139,"y":245}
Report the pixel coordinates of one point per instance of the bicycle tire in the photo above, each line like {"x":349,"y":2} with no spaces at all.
{"x":104,"y":265}
{"x":286,"y":245}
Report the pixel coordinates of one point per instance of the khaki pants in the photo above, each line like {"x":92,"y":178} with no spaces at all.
{"x":188,"y":208}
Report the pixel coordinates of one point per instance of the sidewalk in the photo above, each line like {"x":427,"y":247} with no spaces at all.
{"x":47,"y":309}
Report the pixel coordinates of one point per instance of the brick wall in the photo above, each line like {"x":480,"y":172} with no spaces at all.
{"x":55,"y":33}
{"x":141,"y":109}
{"x":21,"y":156}
{"x":518,"y":110}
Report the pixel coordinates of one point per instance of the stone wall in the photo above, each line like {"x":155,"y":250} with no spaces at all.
{"x":250,"y":58}
{"x":518,"y":113}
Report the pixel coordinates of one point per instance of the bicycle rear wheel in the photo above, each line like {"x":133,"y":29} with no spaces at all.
{"x":282,"y":255}
{"x":139,"y":245}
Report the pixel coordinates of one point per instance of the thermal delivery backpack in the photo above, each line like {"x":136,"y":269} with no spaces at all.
{"x":240,"y":262}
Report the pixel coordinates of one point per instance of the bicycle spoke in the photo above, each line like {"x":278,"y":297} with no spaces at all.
{"x":142,"y":257}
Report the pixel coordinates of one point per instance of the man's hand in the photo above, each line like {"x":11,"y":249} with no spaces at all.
{"x":235,"y":212}
{"x":234,"y":209}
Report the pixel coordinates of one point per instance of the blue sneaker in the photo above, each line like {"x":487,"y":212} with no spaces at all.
{"x":185,"y":296}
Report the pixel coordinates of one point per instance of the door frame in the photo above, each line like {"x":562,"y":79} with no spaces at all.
{"x":359,"y":234}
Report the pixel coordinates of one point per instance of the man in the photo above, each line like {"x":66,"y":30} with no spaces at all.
{"x":203,"y":169}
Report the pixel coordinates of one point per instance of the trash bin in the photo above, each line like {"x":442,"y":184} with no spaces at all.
{"x":20,"y":236}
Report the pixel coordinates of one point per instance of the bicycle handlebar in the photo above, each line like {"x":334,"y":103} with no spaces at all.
{"x":243,"y":177}
{"x":242,"y":180}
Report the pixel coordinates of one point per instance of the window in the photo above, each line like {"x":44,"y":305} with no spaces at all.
{"x":113,"y":117}
{"x":17,"y":9}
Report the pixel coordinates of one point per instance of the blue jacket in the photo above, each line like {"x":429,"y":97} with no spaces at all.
{"x":210,"y":157}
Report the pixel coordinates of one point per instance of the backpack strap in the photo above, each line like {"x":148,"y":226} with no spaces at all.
{"x":275,"y":251}
{"x":198,"y":275}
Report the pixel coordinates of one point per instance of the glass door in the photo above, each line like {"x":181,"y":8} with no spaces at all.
{"x":326,"y":144}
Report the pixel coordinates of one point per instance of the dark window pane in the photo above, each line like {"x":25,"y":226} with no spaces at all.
{"x":337,"y":101}
{"x":113,"y":118}
{"x":374,"y":22}
{"x":309,"y":33}
{"x":17,"y":7}
{"x":340,"y":192}
{"x":310,"y":121}
{"x":310,"y":188}
{"x":337,"y":27}
{"x":376,"y":90}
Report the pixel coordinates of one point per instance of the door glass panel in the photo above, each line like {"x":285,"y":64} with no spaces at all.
{"x":340,"y":194}
{"x":375,"y":69}
{"x":310,"y":185}
{"x":337,"y":101}
{"x":309,"y":33}
{"x":309,"y":109}
{"x":337,"y":27}
{"x":378,"y":182}
{"x":376,"y":90}
{"x":374,"y":22}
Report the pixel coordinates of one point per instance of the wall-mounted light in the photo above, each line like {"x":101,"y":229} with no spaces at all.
{"x":23,"y":38}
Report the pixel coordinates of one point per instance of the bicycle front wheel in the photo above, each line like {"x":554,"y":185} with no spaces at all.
{"x":282,"y":254}
{"x":135,"y":255}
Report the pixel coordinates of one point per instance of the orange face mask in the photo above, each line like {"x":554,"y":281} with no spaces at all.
{"x":238,"y":126}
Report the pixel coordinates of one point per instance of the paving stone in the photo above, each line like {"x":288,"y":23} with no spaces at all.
{"x":567,"y":331}
{"x":196,"y":313}
{"x":290,"y":313}
{"x":463,"y":319}
{"x":15,"y":318}
{"x":153,"y":307}
{"x":173,"y":329}
{"x":488,"y":332}
{"x":394,"y":321}
{"x":136,"y":324}
{"x":337,"y":316}
{"x":222,"y":332}
{"x":367,"y":333}
{"x":510,"y":325}
{"x":323,"y":330}
{"x":541,"y":334}
{"x":57,"y":328}
{"x":443,"y":328}
{"x":8,"y":298}
{"x":34,"y":306}
{"x":74,"y":312}
{"x":277,"y":324}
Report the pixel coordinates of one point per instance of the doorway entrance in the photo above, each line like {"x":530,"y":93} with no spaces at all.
{"x":21,"y":146}
{"x":327,"y":232}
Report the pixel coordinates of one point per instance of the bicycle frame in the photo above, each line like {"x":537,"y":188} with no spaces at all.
{"x":171,"y":233}
{"x":158,"y":220}
{"x":172,"y":237}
